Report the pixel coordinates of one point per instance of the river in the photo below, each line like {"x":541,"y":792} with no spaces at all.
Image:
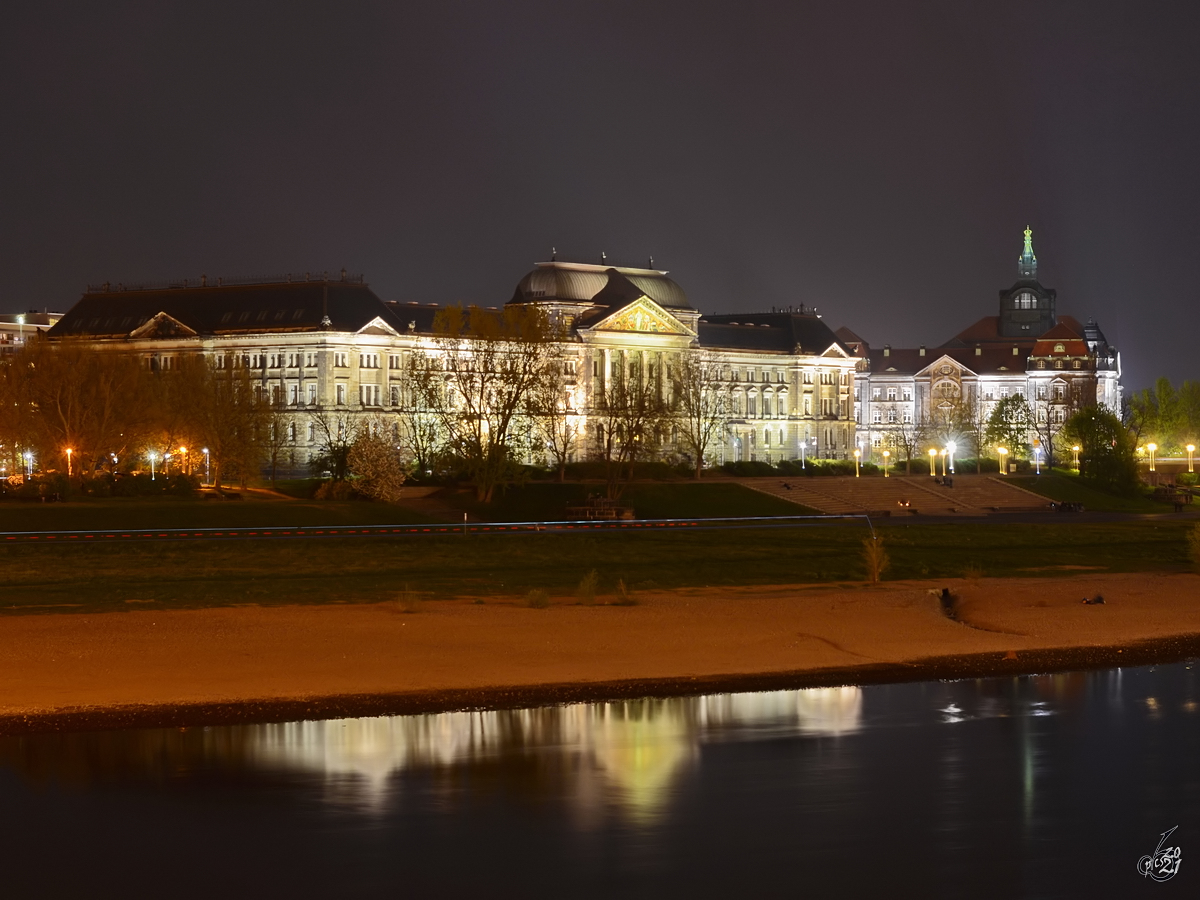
{"x":1040,"y":786}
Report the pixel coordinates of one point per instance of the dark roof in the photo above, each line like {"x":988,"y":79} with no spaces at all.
{"x":778,"y":332}
{"x":988,"y":361}
{"x":987,"y":330}
{"x":583,"y":282}
{"x":230,"y":309}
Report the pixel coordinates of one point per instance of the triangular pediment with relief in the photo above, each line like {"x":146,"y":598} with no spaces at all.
{"x":834,"y":351}
{"x":162,"y":325}
{"x":378,"y":326}
{"x":643,"y":316}
{"x":945,"y":367}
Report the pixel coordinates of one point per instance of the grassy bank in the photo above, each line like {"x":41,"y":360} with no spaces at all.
{"x":117,"y":576}
{"x":1068,"y":487}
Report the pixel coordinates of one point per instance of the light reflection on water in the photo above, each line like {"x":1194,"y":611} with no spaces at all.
{"x":626,"y":753}
{"x":1036,"y":786}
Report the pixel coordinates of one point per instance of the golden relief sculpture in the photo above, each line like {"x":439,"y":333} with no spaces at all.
{"x":644,"y":318}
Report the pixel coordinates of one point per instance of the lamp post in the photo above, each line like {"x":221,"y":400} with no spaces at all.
{"x":857,"y":454}
{"x":950,"y":448}
{"x":932,"y":462}
{"x":1037,"y":460}
{"x":186,"y":464}
{"x":803,"y":444}
{"x":886,"y":459}
{"x":69,"y":452}
{"x":943,"y":455}
{"x":28,"y":464}
{"x":1003,"y":451}
{"x":152,"y":456}
{"x":1152,"y":448}
{"x":1191,"y":449}
{"x":1075,"y":461}
{"x":207,"y":471}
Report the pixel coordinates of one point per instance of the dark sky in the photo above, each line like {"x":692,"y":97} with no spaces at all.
{"x":878,"y":160}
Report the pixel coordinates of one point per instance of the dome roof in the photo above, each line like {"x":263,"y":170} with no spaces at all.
{"x":582,"y":282}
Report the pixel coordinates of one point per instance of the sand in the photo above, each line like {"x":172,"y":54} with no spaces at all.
{"x":211,"y":666}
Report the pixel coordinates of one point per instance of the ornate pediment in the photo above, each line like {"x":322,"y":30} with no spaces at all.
{"x":162,"y":325}
{"x":377,"y":326}
{"x":643,"y":316}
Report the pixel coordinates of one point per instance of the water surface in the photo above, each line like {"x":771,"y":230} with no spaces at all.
{"x":1050,"y":786}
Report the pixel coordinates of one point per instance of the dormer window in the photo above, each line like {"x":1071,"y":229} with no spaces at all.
{"x":1059,"y":348}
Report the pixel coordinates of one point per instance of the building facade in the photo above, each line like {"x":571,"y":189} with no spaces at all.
{"x":1056,"y":363}
{"x":796,"y":389}
{"x":321,"y":344}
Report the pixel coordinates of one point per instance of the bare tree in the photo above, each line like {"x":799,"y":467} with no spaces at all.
{"x":907,"y":440}
{"x":557,"y":421}
{"x":73,"y":396}
{"x":630,"y":418}
{"x":700,"y":403}
{"x":227,"y":415}
{"x":478,"y":379}
{"x":336,"y":432}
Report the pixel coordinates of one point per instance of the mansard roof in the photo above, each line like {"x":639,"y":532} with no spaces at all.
{"x":580,"y":282}
{"x":993,"y":361}
{"x":770,"y":332}
{"x":278,"y":307}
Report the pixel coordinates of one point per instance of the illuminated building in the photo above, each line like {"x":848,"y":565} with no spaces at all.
{"x":322,"y":343}
{"x":1057,"y":364}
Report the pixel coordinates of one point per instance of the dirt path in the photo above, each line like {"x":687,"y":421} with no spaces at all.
{"x":190,"y":667}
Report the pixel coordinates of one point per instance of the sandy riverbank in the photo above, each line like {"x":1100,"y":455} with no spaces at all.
{"x":148,"y":667}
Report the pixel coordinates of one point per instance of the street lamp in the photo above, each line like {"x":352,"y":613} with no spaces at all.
{"x":69,"y":452}
{"x":28,"y":464}
{"x":185,"y":466}
{"x":207,"y":478}
{"x":1152,"y":448}
{"x":886,"y":458}
{"x":1191,"y":449}
{"x":943,"y":462}
{"x":950,"y":448}
{"x":1003,"y":451}
{"x":932,"y":462}
{"x":1037,"y":460}
{"x":1075,"y":450}
{"x":153,"y":456}
{"x":857,"y":454}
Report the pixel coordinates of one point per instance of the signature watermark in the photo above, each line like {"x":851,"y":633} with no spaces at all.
{"x":1163,"y":864}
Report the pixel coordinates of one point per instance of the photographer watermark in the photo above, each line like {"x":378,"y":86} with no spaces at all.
{"x":1163,"y":864}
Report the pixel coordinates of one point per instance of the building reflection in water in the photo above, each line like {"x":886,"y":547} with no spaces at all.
{"x":626,"y":754}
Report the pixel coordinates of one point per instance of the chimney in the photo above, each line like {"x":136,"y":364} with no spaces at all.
{"x":922,"y":349}
{"x":1016,"y":351}
{"x":887,"y":349}
{"x":978,"y":350}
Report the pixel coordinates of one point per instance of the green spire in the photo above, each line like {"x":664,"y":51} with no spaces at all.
{"x":1027,"y":264}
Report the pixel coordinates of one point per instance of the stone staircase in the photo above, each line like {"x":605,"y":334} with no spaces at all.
{"x":971,"y":495}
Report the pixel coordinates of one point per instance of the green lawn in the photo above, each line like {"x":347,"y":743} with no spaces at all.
{"x":1067,"y":487}
{"x":117,"y":576}
{"x":543,"y":502}
{"x":174,"y":513}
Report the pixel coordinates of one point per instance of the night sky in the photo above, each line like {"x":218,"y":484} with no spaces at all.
{"x":878,"y":160}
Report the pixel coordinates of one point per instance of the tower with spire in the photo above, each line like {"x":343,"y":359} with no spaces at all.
{"x":1027,"y":264}
{"x":1027,"y":309}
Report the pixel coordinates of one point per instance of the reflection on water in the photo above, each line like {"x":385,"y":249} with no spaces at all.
{"x":635,"y":747}
{"x":938,"y":781}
